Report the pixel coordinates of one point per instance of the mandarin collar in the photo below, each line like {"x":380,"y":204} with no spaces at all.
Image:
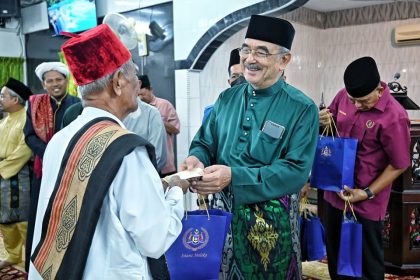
{"x":17,"y":112}
{"x":274,"y":89}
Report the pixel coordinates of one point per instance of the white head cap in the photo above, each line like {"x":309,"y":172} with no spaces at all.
{"x":51,"y":66}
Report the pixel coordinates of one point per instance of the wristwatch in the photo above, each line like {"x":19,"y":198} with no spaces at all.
{"x":369,"y":193}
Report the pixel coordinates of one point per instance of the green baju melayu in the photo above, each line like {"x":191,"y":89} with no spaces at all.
{"x":267,"y":174}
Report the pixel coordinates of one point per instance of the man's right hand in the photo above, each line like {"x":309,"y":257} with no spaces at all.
{"x":190,"y":163}
{"x":325,"y":117}
{"x":305,"y":190}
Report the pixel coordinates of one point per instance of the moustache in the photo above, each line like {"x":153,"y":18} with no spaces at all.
{"x":252,"y":66}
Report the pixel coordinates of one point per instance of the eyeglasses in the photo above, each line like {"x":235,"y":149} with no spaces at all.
{"x":245,"y":52}
{"x":3,"y":96}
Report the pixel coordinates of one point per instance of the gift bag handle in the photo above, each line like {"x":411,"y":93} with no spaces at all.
{"x":347,"y":202}
{"x":199,"y":204}
{"x":302,"y":204}
{"x":331,"y":127}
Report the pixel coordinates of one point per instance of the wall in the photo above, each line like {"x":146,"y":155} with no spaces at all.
{"x":335,"y":51}
{"x":12,"y":40}
{"x":11,"y":36}
{"x":193,"y":18}
{"x":104,"y":7}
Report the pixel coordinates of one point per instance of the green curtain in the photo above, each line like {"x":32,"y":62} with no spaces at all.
{"x":71,"y":87}
{"x":11,"y":67}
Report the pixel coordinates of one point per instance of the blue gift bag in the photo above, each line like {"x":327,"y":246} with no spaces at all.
{"x":312,"y":236}
{"x":197,"y":252}
{"x":333,"y":165}
{"x":350,"y":252}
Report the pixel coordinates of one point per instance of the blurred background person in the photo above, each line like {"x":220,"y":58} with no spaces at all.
{"x":43,"y":119}
{"x":14,"y":171}
{"x":170,"y":121}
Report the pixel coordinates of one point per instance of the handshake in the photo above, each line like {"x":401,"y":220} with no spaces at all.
{"x":182,"y":179}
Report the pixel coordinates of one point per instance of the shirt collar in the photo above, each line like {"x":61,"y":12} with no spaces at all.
{"x":275,"y":88}
{"x":153,"y":102}
{"x":96,"y":112}
{"x":383,"y":100}
{"x":18,"y":112}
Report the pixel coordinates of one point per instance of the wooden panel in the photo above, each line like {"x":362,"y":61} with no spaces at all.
{"x":402,"y":223}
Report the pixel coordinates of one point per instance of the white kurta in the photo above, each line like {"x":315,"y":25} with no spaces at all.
{"x":136,"y":221}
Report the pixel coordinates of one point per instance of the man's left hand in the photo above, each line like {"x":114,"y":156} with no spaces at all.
{"x":353,"y":195}
{"x":215,"y":179}
{"x":176,"y":181}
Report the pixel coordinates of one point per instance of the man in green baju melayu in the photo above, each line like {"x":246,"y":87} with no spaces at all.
{"x":257,"y":147}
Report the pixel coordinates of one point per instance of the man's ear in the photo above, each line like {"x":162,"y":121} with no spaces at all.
{"x":15,"y":100}
{"x":284,"y":61}
{"x":286,"y":58}
{"x":117,"y":83}
{"x":381,"y":90}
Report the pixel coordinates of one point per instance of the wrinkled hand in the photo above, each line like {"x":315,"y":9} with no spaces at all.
{"x":215,"y":179}
{"x":325,"y":117}
{"x":176,"y":181}
{"x":191,"y":162}
{"x":353,"y":195}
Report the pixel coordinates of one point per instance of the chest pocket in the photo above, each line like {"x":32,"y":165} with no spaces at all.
{"x":263,"y":147}
{"x":358,"y":132}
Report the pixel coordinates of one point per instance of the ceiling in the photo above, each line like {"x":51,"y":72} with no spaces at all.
{"x":317,"y":5}
{"x":334,"y":5}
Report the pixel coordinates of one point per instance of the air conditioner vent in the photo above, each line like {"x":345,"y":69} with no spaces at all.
{"x":407,"y":34}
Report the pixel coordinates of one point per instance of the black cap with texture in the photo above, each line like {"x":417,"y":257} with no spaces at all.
{"x":270,"y":29}
{"x":361,"y":77}
{"x":144,"y":81}
{"x":234,"y":58}
{"x":19,"y":88}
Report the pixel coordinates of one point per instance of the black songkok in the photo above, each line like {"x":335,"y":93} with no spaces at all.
{"x":361,"y":77}
{"x":269,"y":29}
{"x":234,"y":58}
{"x":19,"y":88}
{"x":145,"y":83}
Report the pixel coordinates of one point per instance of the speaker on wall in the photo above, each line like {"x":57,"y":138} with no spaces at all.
{"x":9,"y":8}
{"x":34,"y":18}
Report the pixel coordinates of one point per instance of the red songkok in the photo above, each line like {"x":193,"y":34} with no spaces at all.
{"x":94,"y":54}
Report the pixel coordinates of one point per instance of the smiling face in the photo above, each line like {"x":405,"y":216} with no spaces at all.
{"x":263,"y":65}
{"x":55,"y":83}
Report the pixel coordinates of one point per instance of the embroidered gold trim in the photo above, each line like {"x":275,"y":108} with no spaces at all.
{"x":263,"y":238}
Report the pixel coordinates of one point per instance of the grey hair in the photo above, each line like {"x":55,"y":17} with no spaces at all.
{"x":283,"y":51}
{"x":12,"y":93}
{"x":102,"y":83}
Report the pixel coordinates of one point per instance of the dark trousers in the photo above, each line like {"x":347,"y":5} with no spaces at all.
{"x":33,"y":204}
{"x":372,"y":252}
